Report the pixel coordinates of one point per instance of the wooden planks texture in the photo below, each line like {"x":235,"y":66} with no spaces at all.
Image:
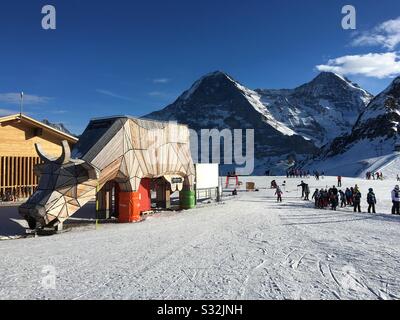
{"x":124,"y":150}
{"x":17,"y":178}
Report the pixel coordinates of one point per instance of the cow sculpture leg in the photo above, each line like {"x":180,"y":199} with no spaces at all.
{"x":131,"y":204}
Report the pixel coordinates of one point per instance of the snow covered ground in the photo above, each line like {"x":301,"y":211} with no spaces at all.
{"x":249,"y":247}
{"x":358,"y":161}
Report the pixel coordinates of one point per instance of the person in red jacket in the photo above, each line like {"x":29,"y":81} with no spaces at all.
{"x":339,"y":181}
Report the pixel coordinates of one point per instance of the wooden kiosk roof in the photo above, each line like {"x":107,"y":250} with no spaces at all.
{"x":37,"y":124}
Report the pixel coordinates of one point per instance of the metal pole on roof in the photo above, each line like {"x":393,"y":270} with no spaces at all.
{"x":22,"y":104}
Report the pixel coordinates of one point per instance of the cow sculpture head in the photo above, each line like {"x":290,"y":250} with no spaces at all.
{"x":65,"y":185}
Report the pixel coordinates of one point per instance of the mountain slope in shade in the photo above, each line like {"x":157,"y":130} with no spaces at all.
{"x":321,"y":110}
{"x":371,"y":144}
{"x":216,"y":101}
{"x":59,"y":126}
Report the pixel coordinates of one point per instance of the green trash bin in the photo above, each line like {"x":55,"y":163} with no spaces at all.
{"x":187,"y":199}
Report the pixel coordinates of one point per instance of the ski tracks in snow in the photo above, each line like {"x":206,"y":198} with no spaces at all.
{"x":250,"y":247}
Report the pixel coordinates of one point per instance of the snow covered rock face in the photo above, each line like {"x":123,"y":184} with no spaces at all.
{"x":379,"y":123}
{"x":216,"y":101}
{"x":321,"y":110}
{"x":58,"y":126}
{"x":371,"y":144}
{"x":382,"y":116}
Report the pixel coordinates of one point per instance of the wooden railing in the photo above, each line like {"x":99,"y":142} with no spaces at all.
{"x":17,"y":179}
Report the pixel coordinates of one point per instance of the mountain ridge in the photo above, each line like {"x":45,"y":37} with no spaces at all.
{"x":373,"y":138}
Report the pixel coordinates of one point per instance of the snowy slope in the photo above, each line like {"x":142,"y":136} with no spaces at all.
{"x":371,"y":144}
{"x":246,"y":248}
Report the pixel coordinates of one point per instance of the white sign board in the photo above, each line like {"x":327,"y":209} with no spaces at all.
{"x":207,"y":175}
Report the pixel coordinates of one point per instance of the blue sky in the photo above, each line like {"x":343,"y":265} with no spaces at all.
{"x":134,"y":57}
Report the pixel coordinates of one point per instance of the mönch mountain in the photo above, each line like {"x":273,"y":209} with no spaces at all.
{"x":321,"y":110}
{"x":371,"y":144}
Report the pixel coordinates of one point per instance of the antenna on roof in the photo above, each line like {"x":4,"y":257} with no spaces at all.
{"x":22,"y":104}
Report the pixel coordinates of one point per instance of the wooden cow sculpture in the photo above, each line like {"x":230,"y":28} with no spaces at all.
{"x":120,"y":149}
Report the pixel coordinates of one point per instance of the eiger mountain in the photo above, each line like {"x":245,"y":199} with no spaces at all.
{"x":321,"y":110}
{"x":216,"y":101}
{"x":371,"y":143}
{"x":287,"y":122}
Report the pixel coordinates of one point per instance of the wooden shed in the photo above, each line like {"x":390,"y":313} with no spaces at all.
{"x":18,"y":135}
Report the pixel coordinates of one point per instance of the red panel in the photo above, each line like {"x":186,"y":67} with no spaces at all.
{"x":132,"y":204}
{"x":145,"y":195}
{"x":129,"y":207}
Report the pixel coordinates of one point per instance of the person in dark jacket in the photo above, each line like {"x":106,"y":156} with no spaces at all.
{"x":371,"y":199}
{"x":349,"y":197}
{"x":316,"y":198}
{"x":396,"y":200}
{"x":306,"y":192}
{"x":303,"y":188}
{"x":357,"y":200}
{"x":333,"y":197}
{"x":342,"y":199}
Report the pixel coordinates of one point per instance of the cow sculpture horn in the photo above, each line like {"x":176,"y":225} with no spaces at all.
{"x":63,"y":159}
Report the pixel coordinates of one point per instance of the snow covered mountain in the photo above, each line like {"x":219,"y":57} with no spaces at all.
{"x":371,"y":144}
{"x":217,"y":101}
{"x":321,"y":110}
{"x":59,"y":126}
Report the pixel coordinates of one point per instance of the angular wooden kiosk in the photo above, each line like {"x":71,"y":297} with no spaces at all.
{"x":133,"y":155}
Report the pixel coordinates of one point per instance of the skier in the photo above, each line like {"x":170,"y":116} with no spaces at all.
{"x":342,"y":199}
{"x":316,"y":197}
{"x":357,"y":200}
{"x":396,"y":200}
{"x":306,"y":192}
{"x":349,"y":197}
{"x":371,"y":199}
{"x":278,"y":193}
{"x":333,"y":196}
{"x":325,"y":198}
{"x":303,"y":188}
{"x":339,"y":181}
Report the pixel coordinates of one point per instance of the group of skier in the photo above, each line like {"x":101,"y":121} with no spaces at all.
{"x":350,"y":197}
{"x":297,"y":173}
{"x":335,"y":197}
{"x":374,"y":176}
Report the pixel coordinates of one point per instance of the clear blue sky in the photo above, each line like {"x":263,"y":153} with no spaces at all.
{"x":134,"y":57}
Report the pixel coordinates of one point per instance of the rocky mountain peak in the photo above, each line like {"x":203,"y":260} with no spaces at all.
{"x":329,"y":83}
{"x":58,"y":126}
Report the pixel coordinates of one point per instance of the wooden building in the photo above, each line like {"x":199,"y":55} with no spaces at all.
{"x":18,"y":135}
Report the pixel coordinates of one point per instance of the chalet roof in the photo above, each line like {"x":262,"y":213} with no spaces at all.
{"x":37,"y":124}
{"x":143,"y":122}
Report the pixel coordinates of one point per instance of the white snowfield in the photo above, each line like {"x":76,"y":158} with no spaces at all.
{"x":359,"y":160}
{"x":249,"y":247}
